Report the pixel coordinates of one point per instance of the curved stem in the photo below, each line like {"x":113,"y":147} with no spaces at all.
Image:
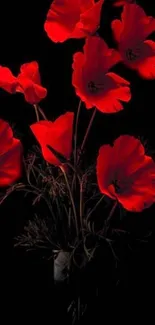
{"x":71,"y":198}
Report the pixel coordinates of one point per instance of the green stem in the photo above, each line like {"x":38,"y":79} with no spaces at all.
{"x":71,"y":198}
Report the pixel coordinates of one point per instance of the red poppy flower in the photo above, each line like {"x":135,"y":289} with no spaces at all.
{"x":92,"y":81}
{"x":72,"y":19}
{"x":126,"y":174}
{"x":30,"y":83}
{"x":10,"y":155}
{"x":7,"y":81}
{"x":120,"y":3}
{"x":27,"y":82}
{"x":130,"y":34}
{"x":57,"y":134}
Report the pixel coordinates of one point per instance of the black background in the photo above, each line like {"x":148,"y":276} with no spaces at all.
{"x":26,"y":283}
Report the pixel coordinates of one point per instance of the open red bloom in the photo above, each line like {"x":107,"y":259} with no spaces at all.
{"x":10,"y":155}
{"x":126,"y":174}
{"x":72,"y":19}
{"x":27,"y":82}
{"x":92,"y":81}
{"x":57,"y":134}
{"x":130,"y":33}
{"x":120,"y":3}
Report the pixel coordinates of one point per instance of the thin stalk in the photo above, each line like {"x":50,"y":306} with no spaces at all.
{"x":36,"y":111}
{"x":38,"y":108}
{"x":111,"y":213}
{"x":42,"y":113}
{"x":81,"y":207}
{"x":86,"y":134}
{"x":96,"y":205}
{"x":76,"y":132}
{"x":71,"y":198}
{"x":107,"y":222}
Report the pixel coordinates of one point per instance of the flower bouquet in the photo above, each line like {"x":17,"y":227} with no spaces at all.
{"x":83,"y":198}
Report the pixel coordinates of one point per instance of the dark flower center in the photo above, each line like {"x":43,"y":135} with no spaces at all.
{"x":93,"y":87}
{"x":117,"y":186}
{"x":132,"y":55}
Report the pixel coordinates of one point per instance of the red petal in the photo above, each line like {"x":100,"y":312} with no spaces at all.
{"x":128,"y":153}
{"x":90,"y":19}
{"x":7,"y":81}
{"x":57,"y":134}
{"x":109,"y":102}
{"x":61,"y":19}
{"x":117,"y":28}
{"x":91,"y":66}
{"x":10,"y":155}
{"x":120,"y":3}
{"x":98,"y":55}
{"x":105,"y":170}
{"x":29,"y":83}
{"x":30,"y":71}
{"x":11,"y":164}
{"x":136,"y":24}
{"x":141,"y":195}
{"x":6,"y":137}
{"x":146,"y":67}
{"x":33,"y":93}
